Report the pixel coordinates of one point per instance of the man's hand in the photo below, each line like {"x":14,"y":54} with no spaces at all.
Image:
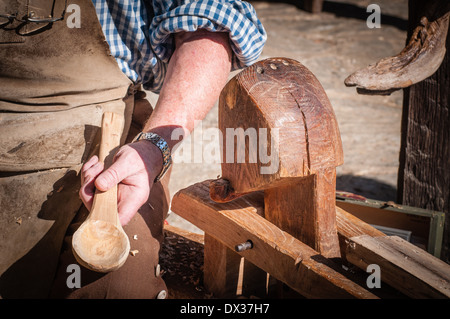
{"x":134,"y":169}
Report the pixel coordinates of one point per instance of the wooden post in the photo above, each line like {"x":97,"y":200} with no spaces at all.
{"x":424,"y":173}
{"x":306,"y":209}
{"x":221,"y":268}
{"x":227,"y":274}
{"x":313,"y":6}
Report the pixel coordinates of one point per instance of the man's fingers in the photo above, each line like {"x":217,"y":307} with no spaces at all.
{"x":127,"y":162}
{"x":112,"y":176}
{"x":88,"y":175}
{"x":92,"y":161}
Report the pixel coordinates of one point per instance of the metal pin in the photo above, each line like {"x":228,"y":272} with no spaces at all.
{"x":244,"y":246}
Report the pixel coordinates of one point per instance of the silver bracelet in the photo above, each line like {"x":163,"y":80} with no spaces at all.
{"x":163,"y":147}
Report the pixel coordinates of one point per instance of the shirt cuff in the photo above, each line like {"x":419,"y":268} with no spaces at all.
{"x":238,"y":18}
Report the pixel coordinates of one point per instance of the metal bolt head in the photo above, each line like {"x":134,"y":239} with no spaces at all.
{"x":244,"y":246}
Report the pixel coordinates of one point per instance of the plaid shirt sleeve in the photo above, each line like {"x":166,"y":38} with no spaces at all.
{"x":142,"y":43}
{"x":247,"y":34}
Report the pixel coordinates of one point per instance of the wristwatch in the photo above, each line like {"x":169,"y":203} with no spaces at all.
{"x":163,"y":147}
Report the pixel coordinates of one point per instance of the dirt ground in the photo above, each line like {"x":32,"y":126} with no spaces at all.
{"x":332,"y":44}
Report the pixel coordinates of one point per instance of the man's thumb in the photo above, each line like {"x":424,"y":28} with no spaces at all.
{"x":108,"y":179}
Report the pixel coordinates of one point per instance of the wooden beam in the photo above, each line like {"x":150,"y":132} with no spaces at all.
{"x":403,"y":266}
{"x":275,"y":251}
{"x":349,"y":226}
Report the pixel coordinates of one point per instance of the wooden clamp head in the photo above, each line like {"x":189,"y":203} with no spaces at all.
{"x":281,"y":136}
{"x":284,"y":98}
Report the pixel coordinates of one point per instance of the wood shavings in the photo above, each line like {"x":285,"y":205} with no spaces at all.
{"x":134,"y":252}
{"x":182,"y":261}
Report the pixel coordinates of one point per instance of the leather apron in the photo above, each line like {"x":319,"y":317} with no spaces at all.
{"x":56,"y":81}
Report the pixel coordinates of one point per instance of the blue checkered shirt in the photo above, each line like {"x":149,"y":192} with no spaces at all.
{"x":140,"y":38}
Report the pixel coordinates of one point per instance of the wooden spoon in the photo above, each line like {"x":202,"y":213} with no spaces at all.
{"x":100,"y":243}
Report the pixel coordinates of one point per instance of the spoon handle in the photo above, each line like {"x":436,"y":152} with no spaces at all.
{"x":104,"y":206}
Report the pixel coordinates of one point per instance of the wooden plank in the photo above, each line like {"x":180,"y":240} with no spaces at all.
{"x":404,"y":266}
{"x":350,"y":226}
{"x":275,"y":251}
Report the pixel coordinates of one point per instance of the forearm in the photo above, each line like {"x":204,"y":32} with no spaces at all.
{"x":196,"y":74}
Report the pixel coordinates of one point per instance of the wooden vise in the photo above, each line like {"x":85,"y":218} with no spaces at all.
{"x":283,"y":209}
{"x":284,"y":97}
{"x":272,"y":214}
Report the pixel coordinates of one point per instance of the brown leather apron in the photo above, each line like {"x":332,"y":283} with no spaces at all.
{"x":55,"y":84}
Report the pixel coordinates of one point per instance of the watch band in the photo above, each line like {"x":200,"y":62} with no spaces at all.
{"x":163,"y":147}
